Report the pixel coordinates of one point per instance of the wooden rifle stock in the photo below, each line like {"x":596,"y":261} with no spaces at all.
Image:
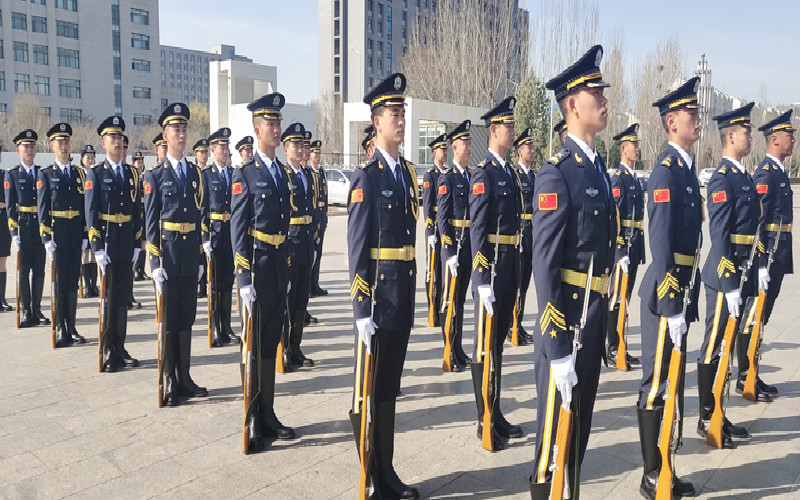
{"x":282,"y":362}
{"x":561,"y":451}
{"x":53,"y":300}
{"x":447,"y":360}
{"x":665,"y":438}
{"x":211,"y":299}
{"x":101,"y":325}
{"x":753,"y":350}
{"x":622,"y":319}
{"x":721,"y":380}
{"x":488,"y":417}
{"x":431,"y":286}
{"x":365,"y":437}
{"x":19,"y":277}
{"x":247,"y":379}
{"x":515,"y":324}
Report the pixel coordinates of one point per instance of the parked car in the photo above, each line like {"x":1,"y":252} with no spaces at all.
{"x":338,"y":185}
{"x":643,"y":178}
{"x":704,"y":176}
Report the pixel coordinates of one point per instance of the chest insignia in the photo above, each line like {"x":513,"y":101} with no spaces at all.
{"x":592,"y":192}
{"x":689,"y":189}
{"x":387,"y":192}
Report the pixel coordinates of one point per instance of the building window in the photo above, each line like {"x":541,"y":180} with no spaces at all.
{"x":380,"y":9}
{"x":380,"y":26}
{"x":40,"y":55}
{"x":38,"y":24}
{"x":428,"y":132}
{"x":389,"y":22}
{"x":369,"y":44}
{"x":380,"y":48}
{"x":185,"y":58}
{"x":68,"y":87}
{"x":335,"y":47}
{"x":22,"y":83}
{"x":139,"y":16}
{"x":71,"y":5}
{"x":369,"y":24}
{"x":73,"y":115}
{"x":192,"y":58}
{"x":141,"y":92}
{"x":19,"y":21}
{"x":67,"y":29}
{"x":369,"y":5}
{"x":140,"y":65}
{"x":39,"y":2}
{"x":139,"y":41}
{"x":336,"y":8}
{"x":21,"y":51}
{"x":336,"y":86}
{"x":41,"y":85}
{"x":2,"y":81}
{"x":388,"y":58}
{"x":380,"y":64}
{"x":171,"y":54}
{"x":142,"y":119}
{"x":336,"y":68}
{"x":3,"y":107}
{"x":68,"y":58}
{"x":369,"y":64}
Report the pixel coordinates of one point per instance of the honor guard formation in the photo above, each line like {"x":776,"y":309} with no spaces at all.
{"x":211,"y":229}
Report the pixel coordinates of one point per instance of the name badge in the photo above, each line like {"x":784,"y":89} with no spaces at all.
{"x":689,"y":189}
{"x":56,"y":179}
{"x":633,"y":188}
{"x":592,"y":192}
{"x":745,"y":188}
{"x":109,"y":181}
{"x":387,"y":193}
{"x":261,"y":184}
{"x":22,"y":180}
{"x":166,"y":184}
{"x":501,"y":183}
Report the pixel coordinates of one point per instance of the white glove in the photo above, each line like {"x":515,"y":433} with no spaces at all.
{"x":624,"y":262}
{"x":677,"y":327}
{"x":50,"y":246}
{"x":763,"y":279}
{"x":366,"y":329}
{"x":248,"y":294}
{"x":159,"y":277}
{"x":452,"y":263}
{"x":208,"y":249}
{"x":734,"y":302}
{"x":102,"y":260}
{"x":314,"y":260}
{"x":563,"y":370}
{"x":17,"y":242}
{"x":487,"y":298}
{"x":199,"y":272}
{"x":135,"y":255}
{"x":84,"y":245}
{"x":432,"y":241}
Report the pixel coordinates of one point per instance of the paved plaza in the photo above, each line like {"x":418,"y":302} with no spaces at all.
{"x":67,"y":431}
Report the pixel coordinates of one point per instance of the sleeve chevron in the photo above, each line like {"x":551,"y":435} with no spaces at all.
{"x":153,"y":250}
{"x":359,"y":285}
{"x":552,"y":317}
{"x":480,"y":262}
{"x":669,"y":283}
{"x":725,"y":265}
{"x":240,"y":261}
{"x":446,"y":240}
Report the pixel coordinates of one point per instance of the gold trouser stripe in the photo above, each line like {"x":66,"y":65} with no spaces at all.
{"x":504,"y":239}
{"x":617,"y":279}
{"x":65,"y":214}
{"x":660,"y":344}
{"x":547,"y":432}
{"x":683,"y":259}
{"x":748,"y":325}
{"x":577,"y":278}
{"x":117,"y":218}
{"x":785,"y":228}
{"x":636,"y":224}
{"x":178,"y":227}
{"x":223,"y":216}
{"x":405,"y":254}
{"x":458,"y":222}
{"x":742,"y":239}
{"x":479,"y":341}
{"x":526,"y":216}
{"x":714,"y":329}
{"x":300,"y":221}
{"x":271,"y":239}
{"x":27,"y":210}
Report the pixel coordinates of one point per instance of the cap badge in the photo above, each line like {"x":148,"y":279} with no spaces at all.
{"x":297,"y":128}
{"x":511,"y":103}
{"x":177,"y":108}
{"x":696,"y":86}
{"x":115,"y":120}
{"x":276,"y":100}
{"x":63,"y":127}
{"x":27,"y":134}
{"x":598,"y":57}
{"x":398,"y":82}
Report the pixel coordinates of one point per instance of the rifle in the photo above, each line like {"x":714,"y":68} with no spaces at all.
{"x":722,"y":378}
{"x":430,"y":278}
{"x":488,"y":355}
{"x":249,"y":346}
{"x":103,"y":308}
{"x":19,"y":277}
{"x":754,"y":348}
{"x":668,"y":440}
{"x":565,"y":414}
{"x":212,"y":300}
{"x":53,"y":283}
{"x":283,"y":362}
{"x":622,"y":319}
{"x":161,"y":326}
{"x":447,"y":360}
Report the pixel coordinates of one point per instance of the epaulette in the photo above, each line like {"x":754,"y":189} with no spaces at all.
{"x":410,"y":164}
{"x":431,"y":170}
{"x":667,"y":162}
{"x":557,"y":158}
{"x":722,"y":170}
{"x":482,"y":164}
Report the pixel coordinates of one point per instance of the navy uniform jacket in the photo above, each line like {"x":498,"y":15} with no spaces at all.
{"x":734,"y":213}
{"x":22,"y":204}
{"x":629,"y":198}
{"x":260,"y":211}
{"x":383,"y":214}
{"x":675,"y":211}
{"x":430,"y":181}
{"x":527,"y":182}
{"x":772,"y":184}
{"x":304,"y":217}
{"x":494,"y":194}
{"x":105,"y":196}
{"x":575,"y":220}
{"x":321,"y":180}
{"x":167,"y":202}
{"x":453,"y":203}
{"x":217,"y":210}
{"x":5,"y":234}
{"x":61,"y":206}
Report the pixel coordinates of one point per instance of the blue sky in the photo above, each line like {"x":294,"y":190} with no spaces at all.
{"x":748,"y":44}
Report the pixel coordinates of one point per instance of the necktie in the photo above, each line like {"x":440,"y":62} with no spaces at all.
{"x":398,"y":177}
{"x":120,"y":177}
{"x":32,"y":175}
{"x":66,"y":172}
{"x":181,"y":174}
{"x":225,"y":178}
{"x":466,"y":176}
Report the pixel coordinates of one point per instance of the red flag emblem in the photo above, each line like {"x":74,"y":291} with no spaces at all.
{"x":661,"y":196}
{"x":548,"y":201}
{"x":719,"y":196}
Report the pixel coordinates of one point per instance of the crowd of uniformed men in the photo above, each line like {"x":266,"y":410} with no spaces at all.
{"x":571,"y":226}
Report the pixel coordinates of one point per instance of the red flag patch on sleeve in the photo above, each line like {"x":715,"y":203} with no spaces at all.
{"x":426,"y":185}
{"x":357,"y":196}
{"x":548,"y":201}
{"x":236,"y":188}
{"x":477,"y":188}
{"x":7,"y":185}
{"x":148,"y":188}
{"x":616,"y":192}
{"x":719,"y":196}
{"x":762,"y":188}
{"x":39,"y":184}
{"x":443,"y":189}
{"x":661,"y":196}
{"x":88,"y":185}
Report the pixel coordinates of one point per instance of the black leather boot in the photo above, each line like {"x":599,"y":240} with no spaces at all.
{"x":706,"y":373}
{"x":612,"y":337}
{"x":295,"y":338}
{"x":168,"y":366}
{"x":4,"y":306}
{"x":502,"y":426}
{"x":71,"y":312}
{"x":649,"y":427}
{"x":272,"y":426}
{"x":390,"y":484}
{"x":477,"y":383}
{"x":91,"y":272}
{"x":187,"y":386}
{"x":224,"y":307}
{"x":36,"y":300}
{"x":539,"y":491}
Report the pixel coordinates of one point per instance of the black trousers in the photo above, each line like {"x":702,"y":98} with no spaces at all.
{"x":300,"y":278}
{"x":68,"y":264}
{"x":613,"y":319}
{"x":315,"y":270}
{"x":462,"y":285}
{"x":437,"y":277}
{"x":31,"y":284}
{"x":181,"y":300}
{"x":119,"y":283}
{"x":774,"y":288}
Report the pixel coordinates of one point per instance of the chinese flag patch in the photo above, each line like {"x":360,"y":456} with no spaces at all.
{"x":147,"y":187}
{"x":477,"y":188}
{"x":442,"y":189}
{"x":661,"y":196}
{"x":719,"y":196}
{"x":88,"y":185}
{"x":762,"y":188}
{"x":39,"y":184}
{"x":617,"y":192}
{"x":236,"y":188}
{"x":357,"y":196}
{"x":7,"y":185}
{"x":548,"y":201}
{"x":426,"y":184}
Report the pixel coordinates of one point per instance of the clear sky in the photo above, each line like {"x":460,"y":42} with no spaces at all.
{"x":748,"y":44}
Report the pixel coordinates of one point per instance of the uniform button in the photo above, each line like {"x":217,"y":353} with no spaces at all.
{"x":411,"y":272}
{"x":184,"y":209}
{"x":184,"y":195}
{"x":596,"y":212}
{"x":184,"y":237}
{"x":575,"y":296}
{"x":607,"y":270}
{"x":281,"y":216}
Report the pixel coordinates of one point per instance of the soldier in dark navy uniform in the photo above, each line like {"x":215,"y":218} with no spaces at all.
{"x":734,"y":214}
{"x":132,"y":302}
{"x":675,"y":215}
{"x":368,"y":144}
{"x":88,"y":265}
{"x":381,"y":232}
{"x":629,"y":198}
{"x":200,"y":150}
{"x":495,"y":205}
{"x":138,"y":267}
{"x":452,"y":219}
{"x":160,"y":146}
{"x":560,"y":129}
{"x":245,"y":149}
{"x":113,"y":219}
{"x":217,"y":233}
{"x":772,"y":184}
{"x":322,"y":214}
{"x":62,"y":225}
{"x":174,"y":195}
{"x":527,"y":180}
{"x":315,"y":221}
{"x":260,"y":212}
{"x":575,"y":220}
{"x":430,"y":181}
{"x":5,"y":246}
{"x":23,"y":223}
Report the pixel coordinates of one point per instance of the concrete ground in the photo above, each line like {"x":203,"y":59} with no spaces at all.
{"x":67,"y":431}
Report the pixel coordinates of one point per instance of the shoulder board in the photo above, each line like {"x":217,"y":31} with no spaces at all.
{"x":482,"y":164}
{"x":410,"y":164}
{"x":557,"y":158}
{"x":430,"y":170}
{"x":722,"y":170}
{"x":667,"y":162}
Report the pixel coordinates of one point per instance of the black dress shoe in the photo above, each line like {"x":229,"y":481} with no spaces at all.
{"x":41,"y":318}
{"x":92,"y":293}
{"x":224,"y":338}
{"x":275,"y":429}
{"x":78,"y":338}
{"x":702,"y":431}
{"x":62,"y":342}
{"x":234,"y":338}
{"x":136,"y":304}
{"x":760,"y":384}
{"x":5,"y":305}
{"x":632,"y":360}
{"x":497,"y":441}
{"x":734,"y":430}
{"x":506,"y":429}
{"x":256,"y":445}
{"x":760,"y":395}
{"x":529,"y":338}
{"x":611,"y":356}
{"x":681,"y":488}
{"x":395,"y":488}
{"x":26,"y":321}
{"x":191,"y":390}
{"x":216,"y":342}
{"x":110,"y":366}
{"x":129,"y":360}
{"x":457,"y":367}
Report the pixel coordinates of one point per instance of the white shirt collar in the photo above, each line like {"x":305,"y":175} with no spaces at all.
{"x":525,"y":169}
{"x":389,"y":160}
{"x":684,"y":154}
{"x":584,"y":147}
{"x":441,"y":169}
{"x":27,"y":168}
{"x":459,"y":167}
{"x":295,"y":169}
{"x":627,"y":167}
{"x":735,"y":163}
{"x":111,"y":162}
{"x":61,"y":165}
{"x":780,"y":164}
{"x":266,"y":159}
{"x":500,"y":160}
{"x":173,"y":161}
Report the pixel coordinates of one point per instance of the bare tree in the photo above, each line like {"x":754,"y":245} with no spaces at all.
{"x":617,"y":94}
{"x":330,"y":116}
{"x":561,"y":32}
{"x":28,"y":113}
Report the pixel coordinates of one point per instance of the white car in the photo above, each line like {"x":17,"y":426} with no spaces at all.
{"x":338,"y":185}
{"x":704,"y":176}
